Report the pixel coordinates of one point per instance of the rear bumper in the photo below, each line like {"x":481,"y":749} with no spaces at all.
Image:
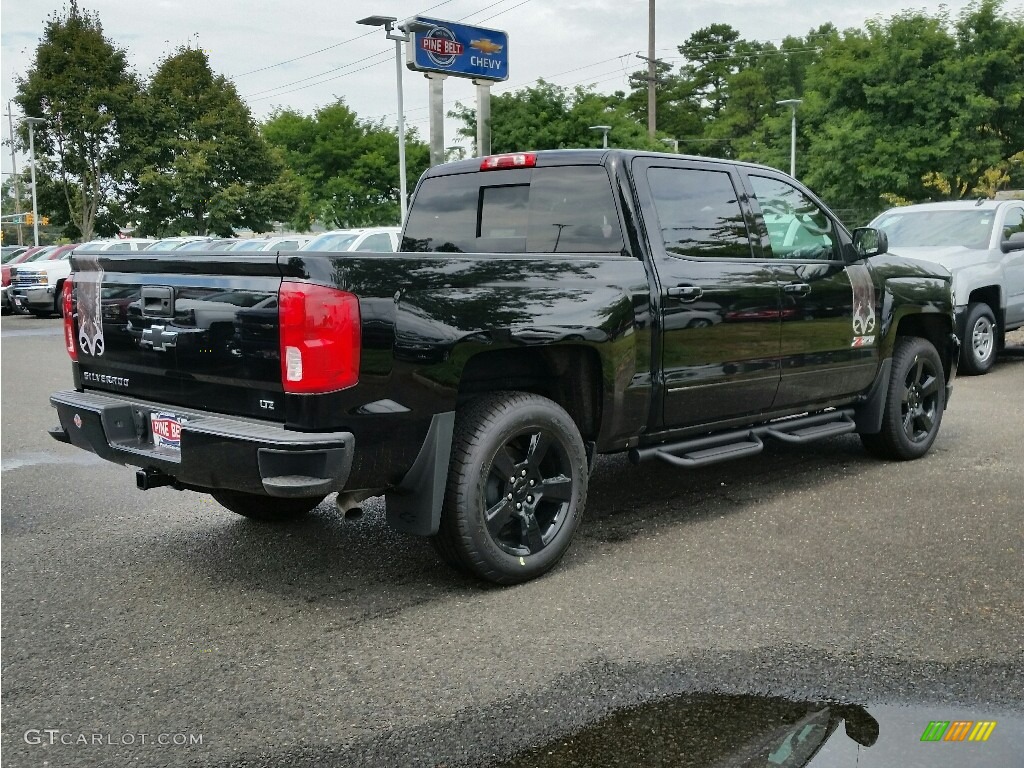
{"x":216,"y":451}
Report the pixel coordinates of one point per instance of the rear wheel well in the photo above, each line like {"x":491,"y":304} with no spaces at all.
{"x":567,"y":374}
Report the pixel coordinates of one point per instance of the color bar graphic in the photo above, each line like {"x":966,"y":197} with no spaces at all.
{"x":958,"y":730}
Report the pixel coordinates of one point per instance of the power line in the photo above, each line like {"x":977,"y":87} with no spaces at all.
{"x":269,"y":92}
{"x":329,"y":47}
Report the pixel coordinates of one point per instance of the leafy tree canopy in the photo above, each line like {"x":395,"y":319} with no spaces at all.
{"x":547,"y":116}
{"x":203,"y":164}
{"x":79,"y":82}
{"x":347,"y":167}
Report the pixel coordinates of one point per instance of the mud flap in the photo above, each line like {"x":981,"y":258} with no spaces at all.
{"x":868,"y":414}
{"x":415,"y":505}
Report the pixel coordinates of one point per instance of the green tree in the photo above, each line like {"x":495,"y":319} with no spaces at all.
{"x":79,"y":82}
{"x":915,"y":108}
{"x":203,"y":165}
{"x":547,"y":116}
{"x":348,"y":168}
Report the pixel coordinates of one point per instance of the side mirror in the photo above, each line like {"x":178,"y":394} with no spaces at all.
{"x":860,"y":726}
{"x":1014,"y":242}
{"x":868,"y":242}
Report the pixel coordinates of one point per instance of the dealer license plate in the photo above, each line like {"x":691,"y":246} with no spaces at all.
{"x":166,"y":430}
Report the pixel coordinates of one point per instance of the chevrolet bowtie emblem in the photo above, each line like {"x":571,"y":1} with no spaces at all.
{"x":160,"y":339}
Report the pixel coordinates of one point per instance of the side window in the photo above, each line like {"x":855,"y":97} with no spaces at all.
{"x":699,"y":213}
{"x":288,"y":245}
{"x":120,"y":247}
{"x":1014,"y":222}
{"x":797,"y":227}
{"x":380,"y":243}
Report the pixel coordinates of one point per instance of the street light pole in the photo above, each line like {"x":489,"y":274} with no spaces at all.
{"x":388,"y":22}
{"x":33,"y":121}
{"x":402,"y":182}
{"x":792,"y":104}
{"x":604,"y":133}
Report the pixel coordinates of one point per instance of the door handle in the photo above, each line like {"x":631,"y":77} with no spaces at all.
{"x":686,"y":292}
{"x":801,"y":289}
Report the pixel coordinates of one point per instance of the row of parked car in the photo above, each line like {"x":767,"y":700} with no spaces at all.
{"x":981,"y":242}
{"x":33,"y":277}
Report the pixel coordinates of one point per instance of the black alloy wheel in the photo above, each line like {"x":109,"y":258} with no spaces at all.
{"x":920,"y":402}
{"x":914,"y":403}
{"x":528,"y":491}
{"x":517,"y":485}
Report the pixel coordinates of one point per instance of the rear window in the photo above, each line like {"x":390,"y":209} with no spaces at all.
{"x":565,"y":209}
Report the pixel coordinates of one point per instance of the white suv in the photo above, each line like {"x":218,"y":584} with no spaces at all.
{"x":37,"y":286}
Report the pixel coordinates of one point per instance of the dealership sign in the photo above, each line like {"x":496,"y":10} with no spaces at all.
{"x":457,"y":50}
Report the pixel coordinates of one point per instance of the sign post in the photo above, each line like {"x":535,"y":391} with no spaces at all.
{"x":483,"y":117}
{"x":436,"y":116}
{"x":445,"y":48}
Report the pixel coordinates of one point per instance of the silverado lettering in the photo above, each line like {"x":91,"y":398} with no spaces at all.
{"x":545,"y":308}
{"x":102,"y":378}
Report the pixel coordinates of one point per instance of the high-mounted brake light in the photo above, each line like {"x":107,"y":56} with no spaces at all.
{"x":516,"y":160}
{"x":67,"y":305}
{"x":320,"y":338}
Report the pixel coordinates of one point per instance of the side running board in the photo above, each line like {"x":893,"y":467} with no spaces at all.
{"x":702,"y":451}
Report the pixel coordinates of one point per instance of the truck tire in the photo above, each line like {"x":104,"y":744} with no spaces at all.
{"x":914,"y":403}
{"x":267,"y":509}
{"x":517,"y":485}
{"x":979,"y":350}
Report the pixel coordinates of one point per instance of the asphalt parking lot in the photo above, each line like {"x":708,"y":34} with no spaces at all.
{"x":806,"y":573}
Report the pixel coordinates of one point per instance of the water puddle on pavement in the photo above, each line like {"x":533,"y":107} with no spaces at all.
{"x":724,"y":730}
{"x":38,"y":458}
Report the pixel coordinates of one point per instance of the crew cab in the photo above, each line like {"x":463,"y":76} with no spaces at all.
{"x":981,"y":243}
{"x":546,"y":307}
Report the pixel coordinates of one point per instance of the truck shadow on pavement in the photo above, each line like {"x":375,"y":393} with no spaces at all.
{"x":325,"y":557}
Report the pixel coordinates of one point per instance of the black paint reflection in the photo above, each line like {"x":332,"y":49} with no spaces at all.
{"x":706,"y":730}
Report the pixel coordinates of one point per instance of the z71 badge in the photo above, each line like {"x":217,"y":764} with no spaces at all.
{"x":863,"y":305}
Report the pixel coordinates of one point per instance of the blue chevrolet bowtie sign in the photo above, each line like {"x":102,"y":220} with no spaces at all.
{"x":459,"y":50}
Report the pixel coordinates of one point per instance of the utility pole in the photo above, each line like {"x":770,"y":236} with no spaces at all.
{"x":652,"y":101}
{"x":17,"y":178}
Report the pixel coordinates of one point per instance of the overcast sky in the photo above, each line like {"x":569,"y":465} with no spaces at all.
{"x":304,"y":54}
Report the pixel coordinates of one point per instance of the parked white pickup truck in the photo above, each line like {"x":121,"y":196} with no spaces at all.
{"x":981,"y":242}
{"x":37,"y":285}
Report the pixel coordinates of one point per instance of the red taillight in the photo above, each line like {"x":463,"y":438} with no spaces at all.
{"x":516,"y":160}
{"x":320,"y":338}
{"x":67,"y":304}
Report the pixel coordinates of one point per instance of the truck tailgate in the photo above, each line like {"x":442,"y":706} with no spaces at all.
{"x":200,"y":330}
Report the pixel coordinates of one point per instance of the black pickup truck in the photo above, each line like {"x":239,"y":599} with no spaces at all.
{"x":546,"y":307}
